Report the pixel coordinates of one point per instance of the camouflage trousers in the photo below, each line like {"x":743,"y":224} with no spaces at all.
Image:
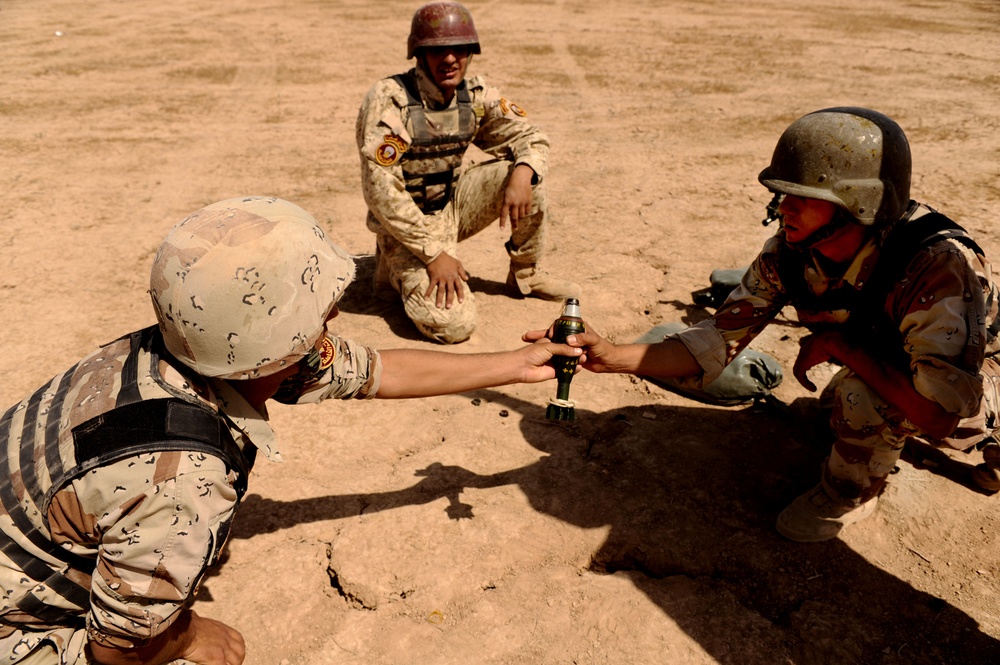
{"x":870,"y":433}
{"x":475,"y":205}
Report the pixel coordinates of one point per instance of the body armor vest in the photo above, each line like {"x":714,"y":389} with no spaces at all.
{"x":439,"y":140}
{"x":869,"y":324}
{"x":92,"y":415}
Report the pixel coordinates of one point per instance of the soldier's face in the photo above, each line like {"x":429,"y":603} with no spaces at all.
{"x":801,"y":217}
{"x":446,"y":66}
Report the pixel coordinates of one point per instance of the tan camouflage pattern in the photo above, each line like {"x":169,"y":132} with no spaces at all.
{"x":243,"y":287}
{"x":476,"y":202}
{"x":407,"y":239}
{"x":152,"y":523}
{"x":940,"y":307}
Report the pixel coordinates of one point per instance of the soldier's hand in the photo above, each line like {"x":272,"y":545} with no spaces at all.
{"x":596,"y":349}
{"x":815,"y":350}
{"x":536,"y":359}
{"x":517,"y":196}
{"x":448,"y":276}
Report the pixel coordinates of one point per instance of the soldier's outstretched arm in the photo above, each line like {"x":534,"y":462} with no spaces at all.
{"x":666,"y":359}
{"x":416,"y":373}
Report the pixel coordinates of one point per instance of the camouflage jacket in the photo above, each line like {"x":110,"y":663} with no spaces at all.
{"x":942,"y":307}
{"x":106,"y":530}
{"x":385,"y":134}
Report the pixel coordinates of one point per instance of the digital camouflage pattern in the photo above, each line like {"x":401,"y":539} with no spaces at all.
{"x":140,"y":532}
{"x":243,"y":287}
{"x":940,"y":308}
{"x":408,"y":239}
{"x":478,"y":197}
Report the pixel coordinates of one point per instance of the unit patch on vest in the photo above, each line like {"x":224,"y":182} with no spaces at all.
{"x":327,"y":354}
{"x":517,"y":110}
{"x":390,"y":151}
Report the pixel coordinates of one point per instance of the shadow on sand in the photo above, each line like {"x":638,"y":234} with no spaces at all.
{"x":691,"y":524}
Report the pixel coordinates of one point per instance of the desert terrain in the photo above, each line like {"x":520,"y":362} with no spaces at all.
{"x":468,"y":529}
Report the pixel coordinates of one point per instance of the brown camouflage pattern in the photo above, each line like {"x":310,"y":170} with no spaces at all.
{"x":940,"y":308}
{"x":153,"y":523}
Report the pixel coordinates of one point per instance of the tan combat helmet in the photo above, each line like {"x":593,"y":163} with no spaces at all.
{"x":442,"y":24}
{"x":855,"y":158}
{"x":243,"y":288}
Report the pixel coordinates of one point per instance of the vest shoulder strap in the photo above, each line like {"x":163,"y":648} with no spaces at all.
{"x":421,"y":131}
{"x":901,"y":247}
{"x":158,"y":425}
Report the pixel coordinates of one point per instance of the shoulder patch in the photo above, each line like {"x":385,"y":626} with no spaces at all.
{"x":327,"y":354}
{"x":517,"y":110}
{"x":390,"y":150}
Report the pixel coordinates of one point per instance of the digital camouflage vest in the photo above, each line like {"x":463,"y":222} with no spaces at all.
{"x":111,"y":405}
{"x":439,"y":140}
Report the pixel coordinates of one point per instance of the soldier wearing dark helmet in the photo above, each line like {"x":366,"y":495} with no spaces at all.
{"x":413,"y":131}
{"x":121,"y":476}
{"x":894,"y":292}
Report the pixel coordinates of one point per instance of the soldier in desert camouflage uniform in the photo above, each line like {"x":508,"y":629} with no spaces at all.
{"x":896,"y":293}
{"x":413,"y":132}
{"x":120,"y":477}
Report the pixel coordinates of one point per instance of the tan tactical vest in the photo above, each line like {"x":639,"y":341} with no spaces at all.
{"x":439,"y":140}
{"x":111,"y":405}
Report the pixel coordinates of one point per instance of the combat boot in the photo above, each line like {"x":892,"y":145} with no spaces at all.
{"x":987,"y":474}
{"x":816,"y":516}
{"x":530,"y":281}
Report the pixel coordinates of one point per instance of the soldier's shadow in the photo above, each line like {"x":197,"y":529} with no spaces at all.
{"x":690,"y":495}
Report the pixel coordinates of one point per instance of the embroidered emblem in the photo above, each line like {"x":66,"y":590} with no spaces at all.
{"x":517,"y":110}
{"x":327,"y":354}
{"x":503,"y":106}
{"x":390,"y":151}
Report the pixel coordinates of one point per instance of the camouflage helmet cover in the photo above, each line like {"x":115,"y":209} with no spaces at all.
{"x":441,"y":24}
{"x":243,"y":287}
{"x":855,"y":158}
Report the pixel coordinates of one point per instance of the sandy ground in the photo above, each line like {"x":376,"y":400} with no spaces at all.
{"x":467,"y":529}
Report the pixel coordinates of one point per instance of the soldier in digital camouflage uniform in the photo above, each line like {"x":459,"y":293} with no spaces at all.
{"x":120,"y":477}
{"x":896,"y":293}
{"x":413,"y":131}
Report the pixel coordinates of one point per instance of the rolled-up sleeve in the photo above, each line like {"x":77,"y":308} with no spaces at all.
{"x":748,"y":309}
{"x":345,"y":370}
